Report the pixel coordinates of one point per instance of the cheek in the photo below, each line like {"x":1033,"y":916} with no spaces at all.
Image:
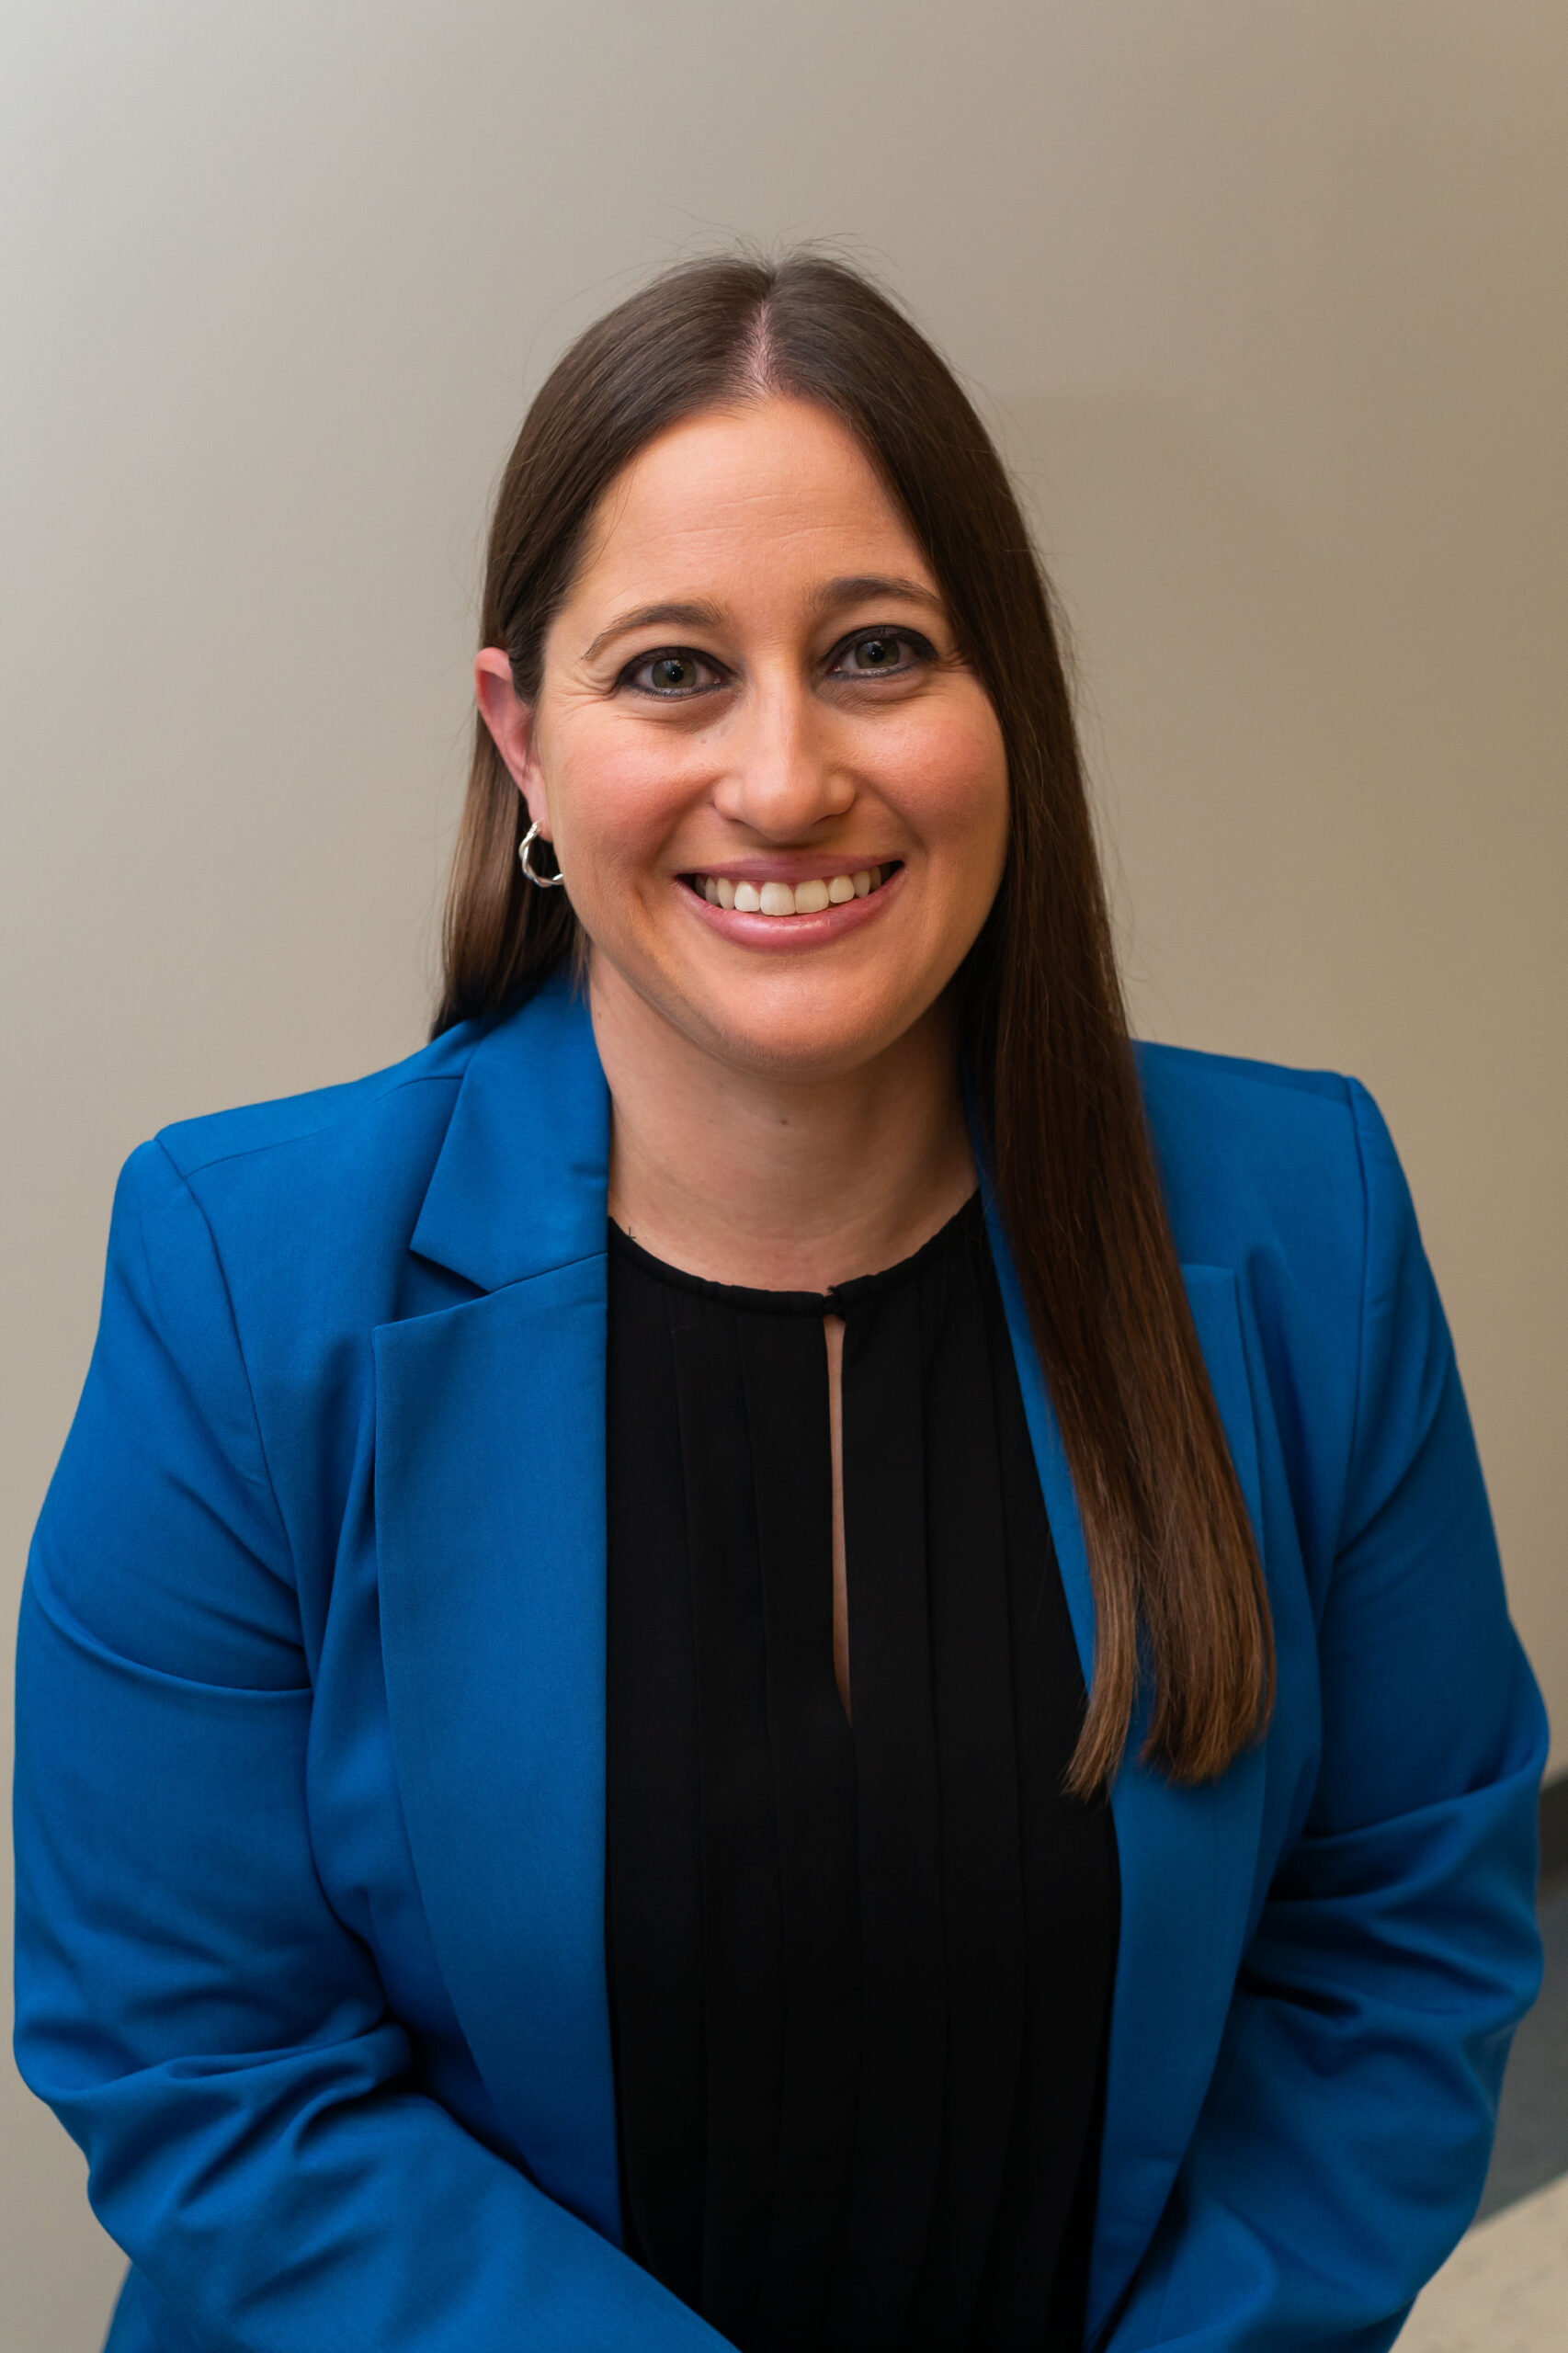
{"x":615,"y":792}
{"x":951,"y":774}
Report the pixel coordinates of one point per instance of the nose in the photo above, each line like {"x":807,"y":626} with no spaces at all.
{"x":782,"y":778}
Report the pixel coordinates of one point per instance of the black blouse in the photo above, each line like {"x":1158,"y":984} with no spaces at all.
{"x":860,"y":1980}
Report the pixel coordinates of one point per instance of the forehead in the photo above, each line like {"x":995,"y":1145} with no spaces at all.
{"x":777,"y":489}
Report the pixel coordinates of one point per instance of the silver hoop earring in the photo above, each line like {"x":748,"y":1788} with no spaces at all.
{"x":540,"y":881}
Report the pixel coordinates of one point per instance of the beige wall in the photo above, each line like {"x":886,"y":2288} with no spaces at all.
{"x":1267,"y":298}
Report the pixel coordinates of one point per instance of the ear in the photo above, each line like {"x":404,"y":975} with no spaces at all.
{"x":511,"y":724}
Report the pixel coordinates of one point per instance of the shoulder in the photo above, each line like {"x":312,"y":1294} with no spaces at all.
{"x":1256,"y":1156}
{"x":330,"y":1125}
{"x":1288,"y":1180}
{"x":302,"y":1209}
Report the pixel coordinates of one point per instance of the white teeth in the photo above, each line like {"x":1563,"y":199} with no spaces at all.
{"x":809,"y":898}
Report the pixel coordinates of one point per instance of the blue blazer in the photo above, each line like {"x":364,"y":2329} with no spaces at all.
{"x":310,"y":1799}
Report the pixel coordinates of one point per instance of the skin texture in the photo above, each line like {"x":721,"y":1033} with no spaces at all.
{"x":786,"y":1105}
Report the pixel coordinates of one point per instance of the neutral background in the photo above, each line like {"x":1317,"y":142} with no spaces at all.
{"x":1267,"y":304}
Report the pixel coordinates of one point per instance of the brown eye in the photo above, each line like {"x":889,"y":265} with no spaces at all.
{"x":883,"y":653}
{"x":674,"y":673}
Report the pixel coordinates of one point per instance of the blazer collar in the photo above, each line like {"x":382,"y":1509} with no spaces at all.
{"x":490,"y":1539}
{"x":1187,"y":1857}
{"x":519,"y":1185}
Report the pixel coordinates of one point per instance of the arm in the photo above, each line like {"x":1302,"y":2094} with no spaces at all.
{"x":187,"y":2001}
{"x":1344,"y":2143}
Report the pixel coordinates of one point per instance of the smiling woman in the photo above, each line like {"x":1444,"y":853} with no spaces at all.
{"x":782,"y":1643}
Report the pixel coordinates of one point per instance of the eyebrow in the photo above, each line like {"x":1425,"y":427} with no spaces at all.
{"x":647,"y":615}
{"x":861,"y":587}
{"x":832,"y":597}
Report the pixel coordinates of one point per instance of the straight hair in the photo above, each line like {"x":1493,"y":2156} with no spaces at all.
{"x":1182,"y":1623}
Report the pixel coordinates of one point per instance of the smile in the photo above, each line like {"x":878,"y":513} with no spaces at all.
{"x":813,"y":897}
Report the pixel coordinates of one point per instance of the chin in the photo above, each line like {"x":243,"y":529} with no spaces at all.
{"x":801,"y":1044}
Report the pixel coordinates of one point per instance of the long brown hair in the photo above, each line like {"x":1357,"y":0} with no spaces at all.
{"x":1179,"y":1592}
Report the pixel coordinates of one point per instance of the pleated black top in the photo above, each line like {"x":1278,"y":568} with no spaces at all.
{"x":859,"y":1979}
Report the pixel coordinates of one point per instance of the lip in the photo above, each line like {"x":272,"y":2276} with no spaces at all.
{"x":780,"y":934}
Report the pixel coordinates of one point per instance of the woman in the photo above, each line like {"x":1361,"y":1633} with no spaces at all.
{"x":603,"y":1580}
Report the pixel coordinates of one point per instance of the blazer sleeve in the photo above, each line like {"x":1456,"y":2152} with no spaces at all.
{"x":207,"y":2029}
{"x":1344,"y":2143}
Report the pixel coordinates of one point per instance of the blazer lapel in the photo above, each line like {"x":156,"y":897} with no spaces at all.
{"x":1186,"y":1857}
{"x":490,"y":1523}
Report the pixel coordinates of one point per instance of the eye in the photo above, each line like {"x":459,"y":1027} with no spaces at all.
{"x":673,"y":673}
{"x":883,"y":653}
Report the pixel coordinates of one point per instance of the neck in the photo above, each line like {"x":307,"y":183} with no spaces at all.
{"x":779,"y":1184}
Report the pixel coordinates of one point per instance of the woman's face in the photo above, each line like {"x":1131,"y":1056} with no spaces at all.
{"x":753,"y":701}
